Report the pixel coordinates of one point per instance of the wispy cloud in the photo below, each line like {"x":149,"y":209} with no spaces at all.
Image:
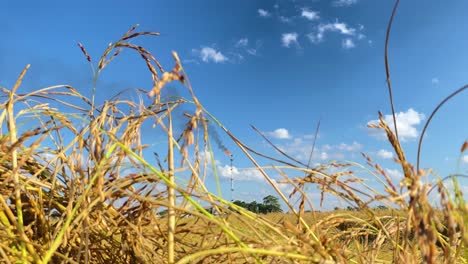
{"x":355,"y":146}
{"x":287,"y":39}
{"x":235,"y":57}
{"x":310,"y":14}
{"x":188,"y":61}
{"x":245,"y":45}
{"x":348,"y":43}
{"x":301,"y":147}
{"x":465,"y":159}
{"x":208,"y":54}
{"x":243,"y":42}
{"x":406,"y":124}
{"x":263,"y":13}
{"x":239,"y":174}
{"x":285,"y":19}
{"x":251,"y":175}
{"x":340,"y":27}
{"x":280,"y":133}
{"x":341,"y":3}
{"x":394,"y":174}
{"x":384,"y":154}
{"x":318,"y":35}
{"x":435,"y":81}
{"x":252,"y":51}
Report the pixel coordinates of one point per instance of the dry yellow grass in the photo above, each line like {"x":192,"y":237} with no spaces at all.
{"x":76,"y":188}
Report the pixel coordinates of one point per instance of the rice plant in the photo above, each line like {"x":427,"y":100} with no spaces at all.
{"x":80,"y":185}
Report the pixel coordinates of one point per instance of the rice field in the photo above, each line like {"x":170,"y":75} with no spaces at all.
{"x":79,"y":185}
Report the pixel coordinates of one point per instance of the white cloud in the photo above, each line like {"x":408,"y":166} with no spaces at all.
{"x":245,"y":44}
{"x":289,"y":38}
{"x":319,"y":34}
{"x":394,"y":174}
{"x":285,"y":188}
{"x":252,"y":51}
{"x":242,"y":42}
{"x":284,"y":19}
{"x":435,"y":81}
{"x":339,"y":27}
{"x":235,"y":57}
{"x":208,"y":157}
{"x":324,"y":155}
{"x":348,"y":43}
{"x":311,"y":136}
{"x":406,"y":124}
{"x":309,"y":14}
{"x":465,"y":158}
{"x":208,"y":54}
{"x":188,"y":61}
{"x":239,"y":174}
{"x":350,"y":147}
{"x":315,"y":37}
{"x":384,"y":154}
{"x":300,"y":149}
{"x":327,"y":147}
{"x":263,"y":13}
{"x":341,"y":3}
{"x":280,"y":133}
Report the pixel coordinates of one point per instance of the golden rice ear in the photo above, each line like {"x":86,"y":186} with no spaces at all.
{"x":166,"y":78}
{"x":88,"y":58}
{"x":464,"y":146}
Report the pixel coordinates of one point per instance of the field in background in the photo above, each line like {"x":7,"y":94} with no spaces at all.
{"x":77,"y":186}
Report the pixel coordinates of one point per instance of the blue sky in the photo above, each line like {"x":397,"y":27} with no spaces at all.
{"x":279,"y":65}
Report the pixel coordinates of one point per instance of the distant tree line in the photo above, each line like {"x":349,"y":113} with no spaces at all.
{"x":270,"y":205}
{"x":350,"y":208}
